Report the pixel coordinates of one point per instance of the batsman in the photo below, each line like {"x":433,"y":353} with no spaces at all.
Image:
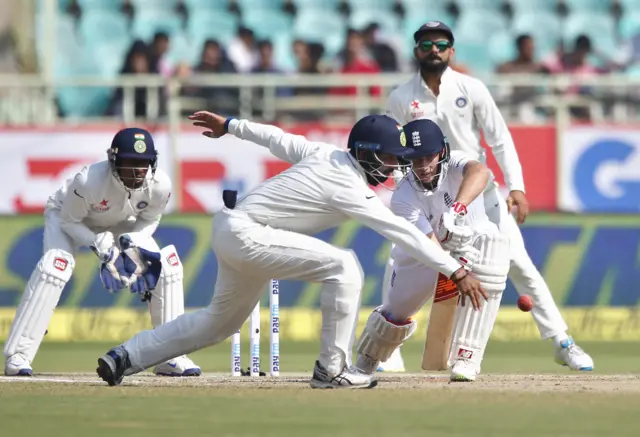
{"x":113,"y":207}
{"x":442,"y":196}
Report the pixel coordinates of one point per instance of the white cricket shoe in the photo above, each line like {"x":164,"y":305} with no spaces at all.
{"x":463,"y":371}
{"x":181,"y":366}
{"x":349,"y":378}
{"x":395,"y":363}
{"x":571,"y":355}
{"x":17,"y":365}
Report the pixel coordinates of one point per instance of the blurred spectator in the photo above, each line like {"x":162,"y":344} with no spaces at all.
{"x":308,"y":59}
{"x":356,"y":60}
{"x":265,"y":64}
{"x":157,"y":54}
{"x":136,"y":62}
{"x":213,"y":60}
{"x":524,"y":61}
{"x":8,"y":58}
{"x":574,"y":62}
{"x":382,"y":52}
{"x":243,"y":52}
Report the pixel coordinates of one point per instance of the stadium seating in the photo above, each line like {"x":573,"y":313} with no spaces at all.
{"x":97,"y":26}
{"x":147,"y":22}
{"x":96,"y":41}
{"x":100,"y":5}
{"x":629,"y":25}
{"x":266,"y":22}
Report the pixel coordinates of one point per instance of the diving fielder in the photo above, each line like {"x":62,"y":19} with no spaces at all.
{"x":442,"y":196}
{"x":461,"y":106}
{"x":267,"y":234}
{"x":112,"y":207}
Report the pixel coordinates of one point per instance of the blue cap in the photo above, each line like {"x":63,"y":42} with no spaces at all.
{"x":134,"y":142}
{"x":424,"y":138}
{"x":378,"y":133}
{"x":433,"y":26}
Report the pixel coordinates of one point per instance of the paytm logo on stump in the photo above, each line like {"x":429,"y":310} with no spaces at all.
{"x":600,"y":170}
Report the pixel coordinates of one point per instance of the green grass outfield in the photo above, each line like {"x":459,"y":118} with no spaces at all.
{"x":521,"y":407}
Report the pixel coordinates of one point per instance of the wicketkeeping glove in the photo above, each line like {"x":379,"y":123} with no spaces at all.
{"x":142,"y":267}
{"x":112,"y":273}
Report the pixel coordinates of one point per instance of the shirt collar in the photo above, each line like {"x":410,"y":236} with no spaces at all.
{"x":446,"y":76}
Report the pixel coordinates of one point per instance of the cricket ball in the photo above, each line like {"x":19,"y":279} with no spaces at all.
{"x":525,"y":303}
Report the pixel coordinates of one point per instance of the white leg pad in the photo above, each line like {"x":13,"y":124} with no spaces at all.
{"x":167,"y":300}
{"x":38,"y":303}
{"x":472,"y":329}
{"x":380,"y":337}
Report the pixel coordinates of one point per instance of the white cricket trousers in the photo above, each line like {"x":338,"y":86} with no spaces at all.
{"x":523,"y":273}
{"x":249,"y":255}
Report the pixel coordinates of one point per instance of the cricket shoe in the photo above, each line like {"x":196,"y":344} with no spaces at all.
{"x":181,"y":366}
{"x":349,"y":378}
{"x":571,"y":355}
{"x":113,"y":365}
{"x":463,"y":371}
{"x":17,"y":365}
{"x":395,"y":363}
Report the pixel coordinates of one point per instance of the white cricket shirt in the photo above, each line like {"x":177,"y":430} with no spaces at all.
{"x":424,"y":209}
{"x":462,"y":109}
{"x":324,"y":187}
{"x":94,"y":201}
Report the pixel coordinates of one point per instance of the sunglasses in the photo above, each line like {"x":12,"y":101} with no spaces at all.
{"x":427,"y":46}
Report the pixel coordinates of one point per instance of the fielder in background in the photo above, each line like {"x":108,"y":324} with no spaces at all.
{"x":442,"y":196}
{"x":113,"y":207}
{"x":462,"y":106}
{"x":267,"y":234}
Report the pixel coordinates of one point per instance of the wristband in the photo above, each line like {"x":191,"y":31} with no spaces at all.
{"x":226,"y":123}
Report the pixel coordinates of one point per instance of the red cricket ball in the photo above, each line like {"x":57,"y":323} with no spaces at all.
{"x":525,"y":303}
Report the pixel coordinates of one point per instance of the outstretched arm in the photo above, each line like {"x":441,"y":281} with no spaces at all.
{"x":288,"y":147}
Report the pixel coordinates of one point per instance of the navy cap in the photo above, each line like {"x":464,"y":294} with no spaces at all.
{"x":433,"y":26}
{"x":378,"y":133}
{"x":424,"y":138}
{"x":134,"y":142}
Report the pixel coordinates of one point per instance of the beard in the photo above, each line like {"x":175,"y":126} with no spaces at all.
{"x":433,"y":65}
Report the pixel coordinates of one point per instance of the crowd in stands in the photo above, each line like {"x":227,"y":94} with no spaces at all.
{"x":372,"y":47}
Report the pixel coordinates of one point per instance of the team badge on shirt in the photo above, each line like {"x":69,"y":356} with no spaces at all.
{"x":102,"y":206}
{"x":461,"y":102}
{"x":142,"y":205}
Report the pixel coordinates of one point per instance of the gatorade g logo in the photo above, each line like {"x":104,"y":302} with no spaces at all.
{"x":60,"y":264}
{"x":465,"y":354}
{"x":173,"y":260}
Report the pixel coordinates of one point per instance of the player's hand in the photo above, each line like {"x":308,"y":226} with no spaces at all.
{"x":517,"y":198}
{"x":451,"y":230}
{"x":208,"y":120}
{"x":469,"y":286}
{"x":141,"y":266}
{"x":112,"y":272}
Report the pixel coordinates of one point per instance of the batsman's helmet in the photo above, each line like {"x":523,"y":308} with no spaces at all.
{"x":425,"y":138}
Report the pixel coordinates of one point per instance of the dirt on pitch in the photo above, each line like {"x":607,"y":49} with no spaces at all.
{"x":288,"y":381}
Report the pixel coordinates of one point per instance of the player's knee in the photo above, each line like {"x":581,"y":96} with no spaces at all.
{"x":350,"y":271}
{"x":56,"y":265}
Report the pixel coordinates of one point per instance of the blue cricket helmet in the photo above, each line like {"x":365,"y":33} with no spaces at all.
{"x":425,"y":138}
{"x":132,"y":143}
{"x":373,"y":135}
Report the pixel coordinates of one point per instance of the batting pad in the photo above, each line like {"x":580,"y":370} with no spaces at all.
{"x":38,"y":303}
{"x":167,"y":300}
{"x":380,"y":337}
{"x":472,"y":328}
